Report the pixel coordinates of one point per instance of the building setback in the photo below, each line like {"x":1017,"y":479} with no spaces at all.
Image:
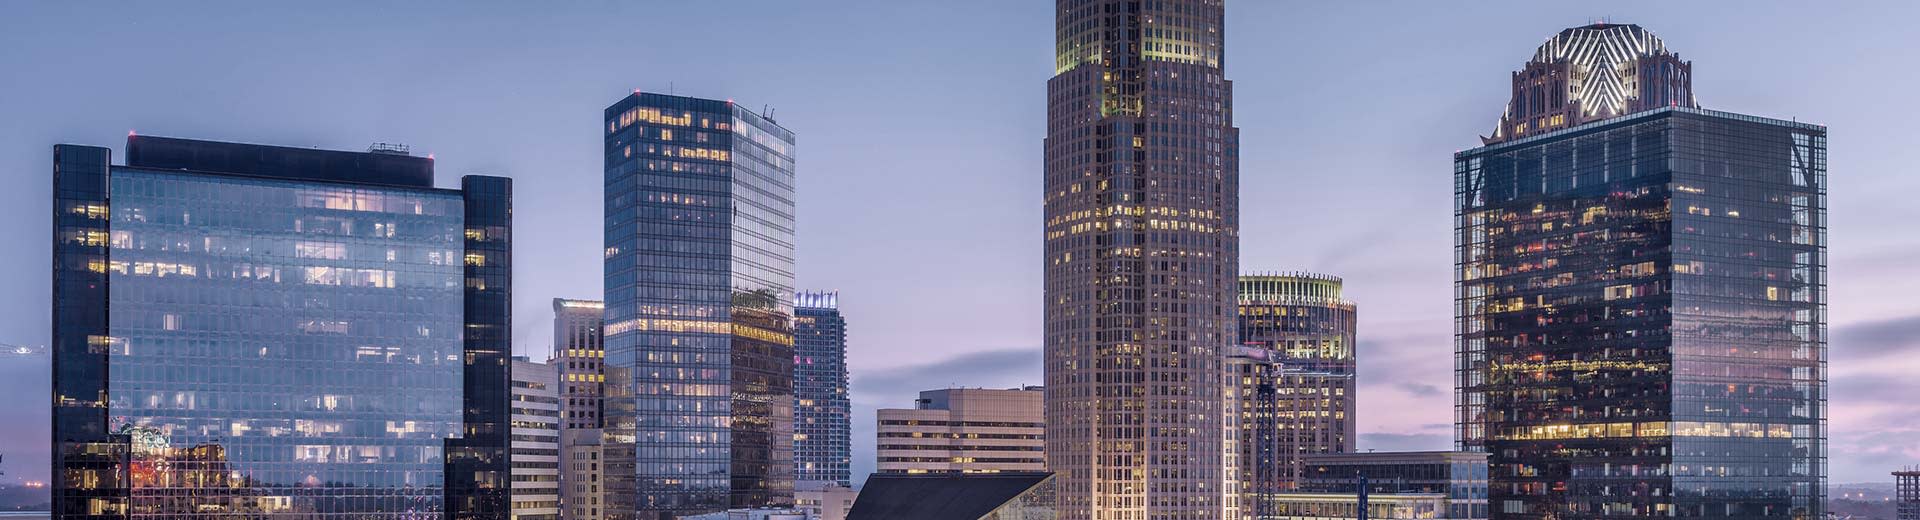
{"x":535,"y":440}
{"x":964,"y":430}
{"x":272,"y":332}
{"x":822,"y":414}
{"x":1141,"y":250}
{"x":699,"y":306}
{"x":1290,"y":381}
{"x":1641,"y":307}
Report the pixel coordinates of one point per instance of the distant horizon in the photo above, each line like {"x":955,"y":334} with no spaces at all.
{"x":919,"y":158}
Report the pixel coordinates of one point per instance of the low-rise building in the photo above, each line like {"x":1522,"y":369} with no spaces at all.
{"x":1417,"y":484}
{"x":823,"y":500}
{"x":956,"y":496}
{"x":964,"y":430}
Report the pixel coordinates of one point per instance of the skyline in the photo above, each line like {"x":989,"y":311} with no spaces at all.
{"x":1296,"y":139}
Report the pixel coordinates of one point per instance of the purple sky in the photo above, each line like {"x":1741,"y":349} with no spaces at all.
{"x":920,"y":126}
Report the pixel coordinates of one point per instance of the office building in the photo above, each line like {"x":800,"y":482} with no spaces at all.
{"x":822,"y":414}
{"x":578,"y":354}
{"x":955,"y":496}
{"x":1141,"y":250}
{"x":1290,"y":381}
{"x":699,"y":308}
{"x":273,"y":332}
{"x":1641,"y":306}
{"x":823,"y":500}
{"x":1409,"y":485}
{"x":964,"y":430}
{"x":582,"y":485}
{"x":535,"y":432}
{"x":578,"y":358}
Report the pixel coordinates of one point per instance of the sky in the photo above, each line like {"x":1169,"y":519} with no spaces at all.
{"x":919,"y":127}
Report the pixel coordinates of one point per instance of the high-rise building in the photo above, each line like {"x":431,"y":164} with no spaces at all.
{"x":1641,"y":306}
{"x":964,"y":430}
{"x":1141,"y":253}
{"x":536,"y":440}
{"x":1290,"y":381}
{"x":268,"y":332}
{"x":822,"y":414}
{"x":578,"y":355}
{"x":699,"y":306}
{"x":578,"y":358}
{"x":1907,"y":494}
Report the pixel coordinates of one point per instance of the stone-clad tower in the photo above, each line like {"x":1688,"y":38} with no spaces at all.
{"x":1141,"y":258}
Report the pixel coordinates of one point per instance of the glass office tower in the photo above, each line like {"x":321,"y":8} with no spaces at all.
{"x":1290,"y":382}
{"x":822,"y":414}
{"x":699,"y":306}
{"x":1641,"y":306}
{"x":1140,"y":255}
{"x":268,"y":332}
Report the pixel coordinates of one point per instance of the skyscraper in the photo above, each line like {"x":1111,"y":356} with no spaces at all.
{"x":270,"y":332}
{"x":1291,"y":382}
{"x":822,"y":415}
{"x":1141,"y":252}
{"x":699,"y":306}
{"x":1641,"y":307}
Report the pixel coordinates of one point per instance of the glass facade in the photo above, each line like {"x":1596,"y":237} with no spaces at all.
{"x":1641,"y":312}
{"x":274,"y":344}
{"x":822,"y":414}
{"x":699,"y":305}
{"x":1460,"y":478}
{"x":1290,"y":382}
{"x":1141,"y":252}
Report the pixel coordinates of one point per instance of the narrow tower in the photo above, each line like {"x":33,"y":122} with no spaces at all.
{"x":1141,"y":208}
{"x":699,"y":308}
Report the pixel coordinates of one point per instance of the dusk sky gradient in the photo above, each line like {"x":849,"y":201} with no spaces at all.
{"x":919,"y":127}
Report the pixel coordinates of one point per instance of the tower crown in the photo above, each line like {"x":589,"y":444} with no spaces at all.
{"x":1593,"y":72}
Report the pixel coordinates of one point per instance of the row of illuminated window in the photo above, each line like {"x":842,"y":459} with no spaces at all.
{"x":965,"y":460}
{"x":979,"y":424}
{"x":658,"y":116}
{"x":1646,"y":429}
{"x":945,"y":447}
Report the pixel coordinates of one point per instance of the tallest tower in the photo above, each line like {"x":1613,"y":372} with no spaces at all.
{"x":1142,"y":164}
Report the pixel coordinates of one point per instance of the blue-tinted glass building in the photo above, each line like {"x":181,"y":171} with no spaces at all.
{"x":699,"y":307}
{"x":822,"y":414}
{"x":267,"y":332}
